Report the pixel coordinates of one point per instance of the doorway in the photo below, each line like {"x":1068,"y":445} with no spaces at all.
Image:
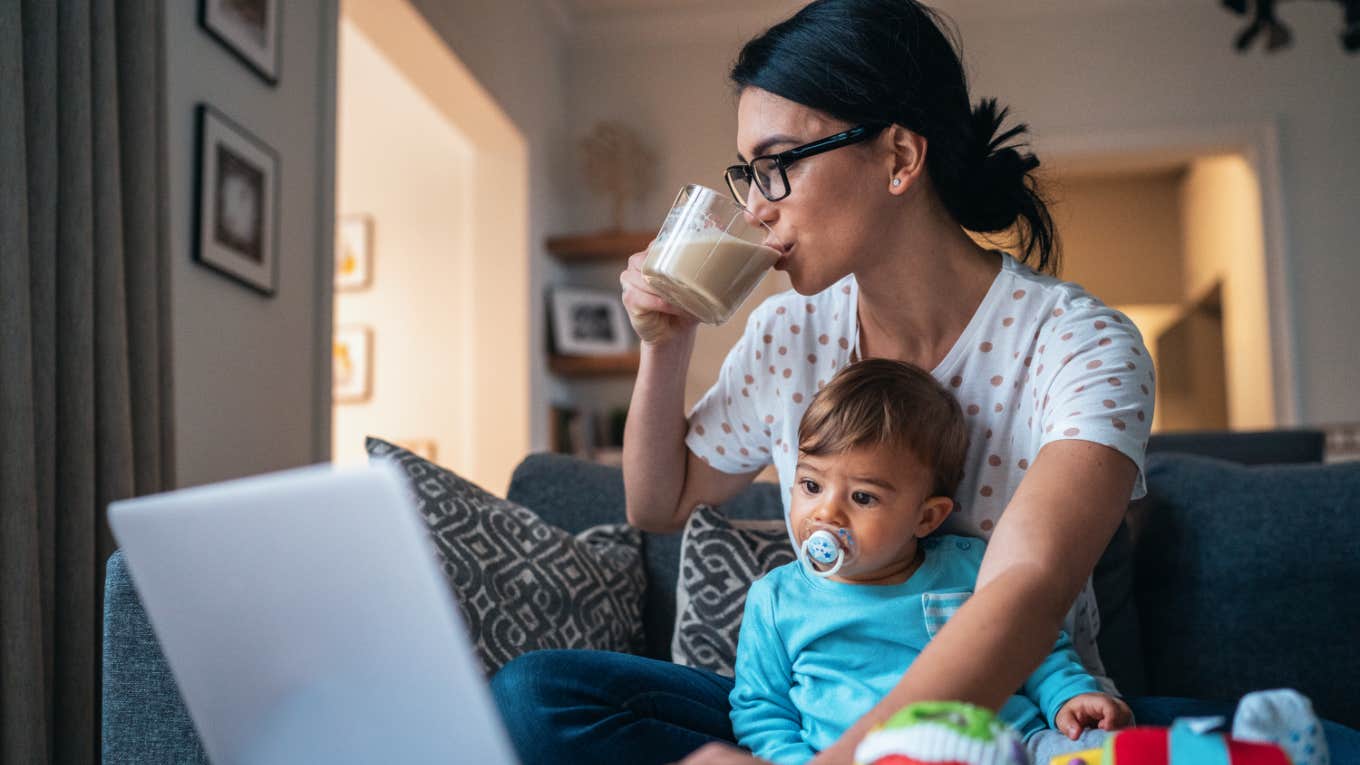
{"x":431,"y":346}
{"x":1177,"y":242}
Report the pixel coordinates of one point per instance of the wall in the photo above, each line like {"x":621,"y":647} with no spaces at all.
{"x":401,"y":162}
{"x":247,"y":392}
{"x":488,"y":303}
{"x":1221,"y":208}
{"x":1070,"y":70}
{"x":1121,"y":235}
{"x":516,"y":51}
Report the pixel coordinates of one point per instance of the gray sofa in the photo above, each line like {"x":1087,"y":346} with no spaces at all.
{"x":1227,"y":578}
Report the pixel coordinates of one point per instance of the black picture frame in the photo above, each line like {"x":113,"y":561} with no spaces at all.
{"x":250,"y":29}
{"x":236,"y":202}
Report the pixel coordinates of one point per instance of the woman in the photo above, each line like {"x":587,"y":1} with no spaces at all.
{"x":868,"y":161}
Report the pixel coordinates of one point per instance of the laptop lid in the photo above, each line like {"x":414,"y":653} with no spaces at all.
{"x":305,"y":619}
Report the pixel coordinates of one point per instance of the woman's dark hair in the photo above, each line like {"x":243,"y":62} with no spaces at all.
{"x":889,"y":61}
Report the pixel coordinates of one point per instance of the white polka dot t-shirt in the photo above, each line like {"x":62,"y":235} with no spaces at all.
{"x":1041,"y":360}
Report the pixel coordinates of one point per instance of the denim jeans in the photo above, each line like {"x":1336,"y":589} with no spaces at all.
{"x":570,"y":707}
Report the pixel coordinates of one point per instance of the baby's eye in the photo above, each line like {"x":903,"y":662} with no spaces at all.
{"x":810,"y":486}
{"x":862,"y":498}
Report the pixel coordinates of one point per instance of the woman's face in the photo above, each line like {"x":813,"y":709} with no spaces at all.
{"x":838,"y":202}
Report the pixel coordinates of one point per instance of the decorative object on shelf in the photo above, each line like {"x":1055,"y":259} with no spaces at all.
{"x":354,"y":253}
{"x":587,"y":432}
{"x":1277,"y":35}
{"x":235,"y":205}
{"x":588,"y":322}
{"x":617,"y":166}
{"x":352,"y":365}
{"x":247,"y":28}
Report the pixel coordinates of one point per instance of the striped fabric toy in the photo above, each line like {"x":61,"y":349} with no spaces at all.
{"x":942,"y":733}
{"x":1180,"y":744}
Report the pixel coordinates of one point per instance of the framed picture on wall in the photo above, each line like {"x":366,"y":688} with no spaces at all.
{"x":236,"y":215}
{"x":352,"y":365}
{"x":353,"y":253}
{"x":247,"y":28}
{"x":588,"y":322}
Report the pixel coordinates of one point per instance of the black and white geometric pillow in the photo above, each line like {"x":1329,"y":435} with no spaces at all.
{"x":521,"y":583}
{"x":719,"y":559}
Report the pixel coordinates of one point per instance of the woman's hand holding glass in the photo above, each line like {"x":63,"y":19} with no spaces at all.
{"x":655,"y":320}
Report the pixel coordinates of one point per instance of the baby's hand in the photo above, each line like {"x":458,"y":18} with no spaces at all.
{"x":1091,"y":710}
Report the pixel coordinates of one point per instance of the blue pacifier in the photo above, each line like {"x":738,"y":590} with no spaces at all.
{"x":824,"y":551}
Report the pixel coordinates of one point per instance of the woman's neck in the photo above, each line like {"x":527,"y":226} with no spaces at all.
{"x":916,"y":299}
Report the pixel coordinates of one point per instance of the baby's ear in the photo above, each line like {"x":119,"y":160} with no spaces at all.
{"x":933,"y":512}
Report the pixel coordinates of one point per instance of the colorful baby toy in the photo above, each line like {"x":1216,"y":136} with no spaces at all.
{"x":942,"y":733}
{"x":954,"y":733}
{"x":1181,"y":744}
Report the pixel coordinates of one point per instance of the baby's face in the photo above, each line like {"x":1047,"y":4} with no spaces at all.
{"x":880,"y":496}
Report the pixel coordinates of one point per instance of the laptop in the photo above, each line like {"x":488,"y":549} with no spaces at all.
{"x":305,"y":619}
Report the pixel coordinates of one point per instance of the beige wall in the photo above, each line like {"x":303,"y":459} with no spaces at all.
{"x":1121,"y":235}
{"x":1221,"y":205}
{"x":249,"y":392}
{"x":515,"y":49}
{"x":401,"y":162}
{"x":485,"y":301}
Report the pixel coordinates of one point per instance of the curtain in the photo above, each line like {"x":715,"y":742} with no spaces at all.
{"x":85,"y":383}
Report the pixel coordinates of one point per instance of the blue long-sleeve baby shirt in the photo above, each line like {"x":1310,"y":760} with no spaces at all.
{"x":814,"y":655}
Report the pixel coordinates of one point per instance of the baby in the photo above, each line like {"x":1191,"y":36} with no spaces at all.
{"x":823,"y":639}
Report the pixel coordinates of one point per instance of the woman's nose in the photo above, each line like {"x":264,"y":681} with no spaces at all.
{"x":759,"y":209}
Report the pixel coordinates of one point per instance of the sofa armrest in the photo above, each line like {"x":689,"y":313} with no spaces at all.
{"x":144,"y":719}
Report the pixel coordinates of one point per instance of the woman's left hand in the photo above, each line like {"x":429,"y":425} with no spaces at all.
{"x":721,"y":754}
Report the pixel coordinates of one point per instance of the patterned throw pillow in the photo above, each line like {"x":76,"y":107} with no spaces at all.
{"x":719,"y":559}
{"x":522,"y":584}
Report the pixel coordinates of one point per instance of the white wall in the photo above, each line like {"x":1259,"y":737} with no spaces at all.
{"x":401,"y":162}
{"x":1068,"y":69}
{"x":247,"y":394}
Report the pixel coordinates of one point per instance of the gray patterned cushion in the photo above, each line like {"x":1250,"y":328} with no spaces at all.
{"x":522,"y":584}
{"x":719,"y":558}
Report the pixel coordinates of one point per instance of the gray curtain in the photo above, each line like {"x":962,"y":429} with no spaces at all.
{"x":84,"y":338}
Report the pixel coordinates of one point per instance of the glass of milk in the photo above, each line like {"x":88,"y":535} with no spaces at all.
{"x":709,"y":255}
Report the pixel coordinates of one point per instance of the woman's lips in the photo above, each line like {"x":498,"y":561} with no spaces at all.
{"x":783,"y":260}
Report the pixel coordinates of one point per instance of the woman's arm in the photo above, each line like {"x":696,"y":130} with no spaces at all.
{"x":1048,"y":541}
{"x":662,"y":479}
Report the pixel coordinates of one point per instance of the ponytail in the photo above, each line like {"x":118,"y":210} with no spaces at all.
{"x":995,"y":190}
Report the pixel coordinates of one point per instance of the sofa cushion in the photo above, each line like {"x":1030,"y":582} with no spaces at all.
{"x":1247,"y":579}
{"x":573,"y":494}
{"x":523,"y":584}
{"x":719,"y":558}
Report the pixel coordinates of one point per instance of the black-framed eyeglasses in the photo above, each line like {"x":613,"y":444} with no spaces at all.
{"x":767,"y":172}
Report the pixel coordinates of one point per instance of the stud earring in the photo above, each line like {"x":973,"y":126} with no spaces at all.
{"x":897,"y":181}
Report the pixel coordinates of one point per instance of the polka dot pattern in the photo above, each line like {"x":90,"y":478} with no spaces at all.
{"x":1041,"y":361}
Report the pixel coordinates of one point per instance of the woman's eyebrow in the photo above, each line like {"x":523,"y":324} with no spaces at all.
{"x":764,"y":146}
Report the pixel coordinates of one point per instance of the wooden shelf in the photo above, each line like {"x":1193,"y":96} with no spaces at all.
{"x":602,"y":246}
{"x":594,"y":366}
